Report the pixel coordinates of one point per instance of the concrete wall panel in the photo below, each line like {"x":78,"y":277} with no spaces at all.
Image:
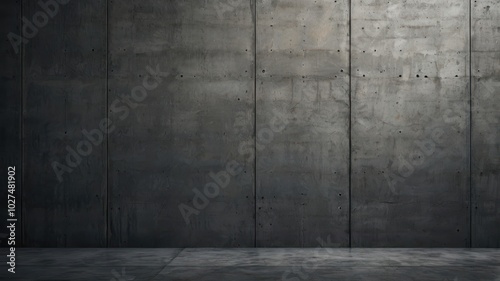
{"x":410,"y":172}
{"x":10,"y":112}
{"x":302,"y":123}
{"x":485,"y":124}
{"x":190,"y":125}
{"x":64,"y":94}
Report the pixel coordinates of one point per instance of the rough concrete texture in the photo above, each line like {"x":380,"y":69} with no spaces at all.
{"x":410,"y":165}
{"x":189,"y":126}
{"x":486,"y":123}
{"x":321,"y":264}
{"x":10,"y":110}
{"x":64,"y":93}
{"x":407,"y":125}
{"x":302,"y":181}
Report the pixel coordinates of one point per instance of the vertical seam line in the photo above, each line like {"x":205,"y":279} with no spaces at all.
{"x":255,"y":122}
{"x":470,"y":124}
{"x":21,"y":121}
{"x":107,"y":226}
{"x":350,"y":125}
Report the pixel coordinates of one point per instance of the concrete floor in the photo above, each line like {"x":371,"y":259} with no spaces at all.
{"x":255,"y":264}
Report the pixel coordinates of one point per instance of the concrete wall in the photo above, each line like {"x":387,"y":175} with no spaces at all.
{"x":302,"y":83}
{"x":236,"y":123}
{"x":410,"y":151}
{"x":485,"y":124}
{"x":64,"y":93}
{"x":10,"y":112}
{"x":186,"y":128}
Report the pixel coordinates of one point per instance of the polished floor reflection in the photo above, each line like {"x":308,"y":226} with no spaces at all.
{"x":255,"y":264}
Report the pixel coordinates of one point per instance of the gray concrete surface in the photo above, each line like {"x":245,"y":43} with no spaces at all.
{"x":229,"y":71}
{"x":10,"y":109}
{"x":485,"y":124}
{"x":257,"y":264}
{"x":303,"y":81}
{"x":64,"y":92}
{"x":188,"y":127}
{"x":410,"y":162}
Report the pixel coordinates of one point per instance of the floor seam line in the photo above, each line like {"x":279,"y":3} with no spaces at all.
{"x":170,"y":261}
